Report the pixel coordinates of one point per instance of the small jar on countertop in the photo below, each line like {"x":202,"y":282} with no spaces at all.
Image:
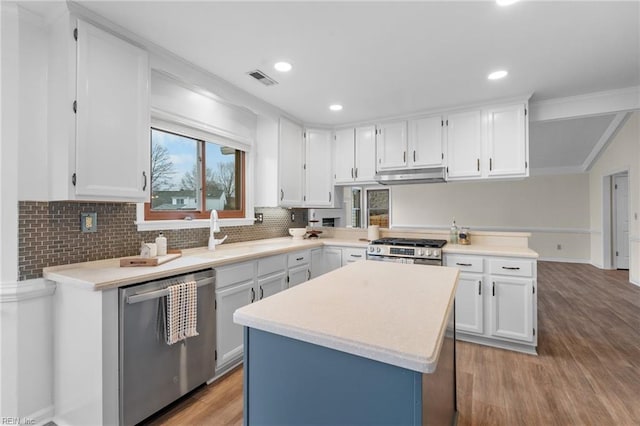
{"x":463,"y":236}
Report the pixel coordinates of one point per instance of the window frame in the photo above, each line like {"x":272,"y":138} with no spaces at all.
{"x":202,"y":212}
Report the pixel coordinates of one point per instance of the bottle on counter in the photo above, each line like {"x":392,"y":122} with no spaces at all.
{"x":453,"y":233}
{"x":161,"y":243}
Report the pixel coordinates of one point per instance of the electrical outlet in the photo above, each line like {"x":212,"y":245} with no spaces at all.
{"x":293,"y":216}
{"x":89,"y":222}
{"x":259,"y":218}
{"x":559,"y":247}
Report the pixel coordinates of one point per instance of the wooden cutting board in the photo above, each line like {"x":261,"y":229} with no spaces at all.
{"x":150,"y":261}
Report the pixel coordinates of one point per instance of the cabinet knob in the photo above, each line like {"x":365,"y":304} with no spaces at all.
{"x":144,"y":177}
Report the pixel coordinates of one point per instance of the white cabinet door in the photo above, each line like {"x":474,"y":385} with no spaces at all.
{"x":507,"y":141}
{"x":469,"y":304}
{"x":344,"y":156}
{"x":298,"y":275}
{"x":350,"y":255}
{"x":365,"y":169}
{"x":318,"y":170}
{"x":229,"y":338}
{"x":511,"y":308}
{"x":332,"y":258}
{"x":391,"y":145}
{"x":112,"y":119}
{"x":317,"y":262}
{"x":426,"y":147}
{"x":464,"y":144}
{"x":290,"y":163}
{"x":271,"y":284}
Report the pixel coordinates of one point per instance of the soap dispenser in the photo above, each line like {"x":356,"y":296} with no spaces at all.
{"x":161,"y":243}
{"x":453,"y":233}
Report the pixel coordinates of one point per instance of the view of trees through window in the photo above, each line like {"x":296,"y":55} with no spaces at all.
{"x":190,"y":175}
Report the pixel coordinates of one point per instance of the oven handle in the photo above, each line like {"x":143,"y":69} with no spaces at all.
{"x":137,"y":298}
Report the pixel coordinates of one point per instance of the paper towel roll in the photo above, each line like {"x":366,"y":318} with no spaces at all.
{"x":373,"y":232}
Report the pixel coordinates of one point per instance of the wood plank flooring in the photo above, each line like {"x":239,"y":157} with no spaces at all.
{"x":587,"y":371}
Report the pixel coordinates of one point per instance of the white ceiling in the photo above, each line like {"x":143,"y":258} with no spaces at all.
{"x":385,"y":59}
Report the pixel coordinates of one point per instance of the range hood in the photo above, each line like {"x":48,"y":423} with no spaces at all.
{"x":409,"y":176}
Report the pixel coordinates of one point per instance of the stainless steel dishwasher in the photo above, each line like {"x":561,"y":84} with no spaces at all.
{"x":152,"y":373}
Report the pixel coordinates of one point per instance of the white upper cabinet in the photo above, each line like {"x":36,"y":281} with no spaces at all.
{"x":365,"y":164}
{"x":492,"y":142}
{"x":354,"y":153}
{"x":100,"y":84}
{"x":507,"y":141}
{"x":464,"y":144}
{"x":319,"y":182}
{"x":344,"y":156}
{"x":290,"y":164}
{"x":426,"y":142}
{"x":391,"y":145}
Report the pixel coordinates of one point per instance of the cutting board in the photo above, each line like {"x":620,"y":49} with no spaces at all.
{"x":150,"y":261}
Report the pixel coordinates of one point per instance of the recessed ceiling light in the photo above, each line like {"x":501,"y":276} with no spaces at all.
{"x":506,"y":2}
{"x":335,"y":107}
{"x":497,"y":75}
{"x":283,"y":66}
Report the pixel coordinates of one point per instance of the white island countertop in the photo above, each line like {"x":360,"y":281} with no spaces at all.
{"x":389,"y":312}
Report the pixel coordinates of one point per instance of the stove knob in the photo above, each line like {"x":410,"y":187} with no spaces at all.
{"x":420,"y":252}
{"x":427,"y":252}
{"x":371,"y":249}
{"x":378,"y":250}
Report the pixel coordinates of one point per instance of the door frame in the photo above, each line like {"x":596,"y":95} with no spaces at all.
{"x":608,"y":210}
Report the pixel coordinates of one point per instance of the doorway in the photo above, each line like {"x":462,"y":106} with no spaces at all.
{"x":620,"y":220}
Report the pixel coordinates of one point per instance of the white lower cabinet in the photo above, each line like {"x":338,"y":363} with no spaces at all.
{"x":332,"y":258}
{"x":469,"y":307}
{"x":238,"y":285}
{"x":496,"y":301}
{"x":511,"y":306}
{"x":352,"y":254}
{"x":317,"y":262}
{"x":299,"y":267}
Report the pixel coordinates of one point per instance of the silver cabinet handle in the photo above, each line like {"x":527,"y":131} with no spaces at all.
{"x":261,"y":293}
{"x":414,"y":155}
{"x":356,"y":173}
{"x":404,"y":157}
{"x":299,"y":258}
{"x":144,"y":185}
{"x":490,"y":164}
{"x":463,"y":264}
{"x":308,"y":274}
{"x":253,"y":295}
{"x":511,"y":268}
{"x":493,"y":288}
{"x":329,"y":196}
{"x":478,"y":164}
{"x":352,"y":173}
{"x":479,"y":288}
{"x":355,"y":255}
{"x":281,"y":194}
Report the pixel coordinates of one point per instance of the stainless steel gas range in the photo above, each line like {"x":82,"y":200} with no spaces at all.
{"x":406,"y":250}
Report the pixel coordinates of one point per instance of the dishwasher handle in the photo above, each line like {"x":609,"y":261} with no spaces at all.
{"x":137,"y":298}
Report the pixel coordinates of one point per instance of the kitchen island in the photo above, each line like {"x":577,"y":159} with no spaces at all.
{"x":369,"y":343}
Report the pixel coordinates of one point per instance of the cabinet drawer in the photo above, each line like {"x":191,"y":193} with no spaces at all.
{"x":513,"y":267}
{"x":352,"y":254}
{"x":465,"y":263}
{"x":269,"y":265}
{"x":298,"y":258}
{"x":231,"y":274}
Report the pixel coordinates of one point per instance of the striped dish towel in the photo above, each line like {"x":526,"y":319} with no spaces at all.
{"x":181,"y":312}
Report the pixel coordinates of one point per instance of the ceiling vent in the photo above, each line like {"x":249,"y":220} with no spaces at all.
{"x":262,"y":77}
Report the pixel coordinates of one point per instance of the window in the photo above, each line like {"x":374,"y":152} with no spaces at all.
{"x":191,"y":177}
{"x":378,"y":207}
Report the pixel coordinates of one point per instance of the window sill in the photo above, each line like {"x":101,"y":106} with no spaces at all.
{"x":161,"y":225}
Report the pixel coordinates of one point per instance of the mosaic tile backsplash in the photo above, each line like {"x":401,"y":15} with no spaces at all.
{"x":49,"y":233}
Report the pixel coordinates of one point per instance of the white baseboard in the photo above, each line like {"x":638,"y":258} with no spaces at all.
{"x":564,"y":260}
{"x":42,"y":416}
{"x":634,"y":282}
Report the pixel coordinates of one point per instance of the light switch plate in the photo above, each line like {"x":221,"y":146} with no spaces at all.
{"x":89,"y":222}
{"x":259,"y":218}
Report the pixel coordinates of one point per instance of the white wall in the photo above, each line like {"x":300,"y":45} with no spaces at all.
{"x":555,"y":209}
{"x":622,"y":153}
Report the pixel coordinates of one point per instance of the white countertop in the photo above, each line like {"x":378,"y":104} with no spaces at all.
{"x":365,"y":309}
{"x":486,"y":250}
{"x":107,"y":274}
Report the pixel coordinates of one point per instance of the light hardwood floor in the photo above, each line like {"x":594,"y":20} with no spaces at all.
{"x":587,"y":371}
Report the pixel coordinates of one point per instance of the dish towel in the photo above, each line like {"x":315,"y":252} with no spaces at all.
{"x":181,"y":312}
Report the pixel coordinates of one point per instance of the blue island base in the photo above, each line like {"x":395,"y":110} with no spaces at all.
{"x":290,"y":382}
